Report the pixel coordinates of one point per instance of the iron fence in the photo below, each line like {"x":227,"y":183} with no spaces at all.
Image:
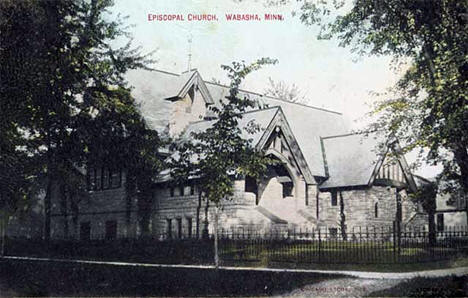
{"x":369,"y":245}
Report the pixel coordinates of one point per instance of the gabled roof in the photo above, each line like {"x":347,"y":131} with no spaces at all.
{"x":350,"y":160}
{"x":308,"y":123}
{"x":181,"y":85}
{"x":261,"y":118}
{"x":354,"y":160}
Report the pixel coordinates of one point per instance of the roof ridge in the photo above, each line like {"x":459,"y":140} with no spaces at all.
{"x":252,"y":111}
{"x":277,"y":98}
{"x":342,"y":135}
{"x":166,"y":72}
{"x":252,"y":92}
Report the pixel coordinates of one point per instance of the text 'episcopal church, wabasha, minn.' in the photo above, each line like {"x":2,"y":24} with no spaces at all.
{"x":326,"y":177}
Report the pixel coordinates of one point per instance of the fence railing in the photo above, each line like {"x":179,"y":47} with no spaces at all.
{"x":372,"y":245}
{"x":361,"y":245}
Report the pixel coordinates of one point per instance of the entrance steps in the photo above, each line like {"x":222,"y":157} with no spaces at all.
{"x":289,"y":210}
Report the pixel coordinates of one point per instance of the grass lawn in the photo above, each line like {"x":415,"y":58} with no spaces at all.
{"x":395,"y":267}
{"x":451,"y":286}
{"x":40,"y":278}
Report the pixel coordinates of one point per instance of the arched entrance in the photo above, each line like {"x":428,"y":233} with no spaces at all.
{"x":280,"y":181}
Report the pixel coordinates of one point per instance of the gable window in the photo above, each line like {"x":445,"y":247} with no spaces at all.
{"x":171,"y":191}
{"x":283,"y":148}
{"x":334,"y":198}
{"x":376,"y":210}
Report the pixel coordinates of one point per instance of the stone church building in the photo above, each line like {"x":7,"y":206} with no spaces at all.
{"x":326,"y":177}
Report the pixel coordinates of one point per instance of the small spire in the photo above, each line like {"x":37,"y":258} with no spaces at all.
{"x":189,"y":64}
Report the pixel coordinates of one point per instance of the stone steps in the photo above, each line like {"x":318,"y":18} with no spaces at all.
{"x":287,"y":209}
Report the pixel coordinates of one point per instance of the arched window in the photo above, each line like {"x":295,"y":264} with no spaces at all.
{"x":376,"y":210}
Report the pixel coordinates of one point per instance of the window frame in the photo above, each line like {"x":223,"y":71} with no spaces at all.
{"x":334,"y":198}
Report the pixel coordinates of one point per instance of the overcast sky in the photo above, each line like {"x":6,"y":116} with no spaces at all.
{"x":330,"y":76}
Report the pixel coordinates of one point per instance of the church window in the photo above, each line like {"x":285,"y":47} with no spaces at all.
{"x":440,"y":222}
{"x":189,"y":227}
{"x":287,"y":189}
{"x":250,"y":184}
{"x":179,"y":228}
{"x":103,"y":178}
{"x":181,"y":190}
{"x":192,"y":189}
{"x":376,"y":210}
{"x":111,"y":230}
{"x":334,"y":198}
{"x":283,"y":147}
{"x":169,"y":228}
{"x":85,"y":230}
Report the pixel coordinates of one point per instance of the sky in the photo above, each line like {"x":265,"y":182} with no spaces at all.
{"x":328,"y":75}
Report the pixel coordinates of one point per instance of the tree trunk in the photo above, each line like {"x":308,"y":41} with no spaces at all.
{"x":216,"y":253}
{"x":3,"y":227}
{"x":198,"y":214}
{"x":205,"y":223}
{"x":145,"y":204}
{"x":432,"y":228}
{"x":47,"y":206}
{"x":461,"y":158}
{"x":342,"y":219}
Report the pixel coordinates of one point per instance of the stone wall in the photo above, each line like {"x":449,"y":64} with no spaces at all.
{"x":359,"y":208}
{"x":184,"y":111}
{"x":177,"y":210}
{"x":97,"y":208}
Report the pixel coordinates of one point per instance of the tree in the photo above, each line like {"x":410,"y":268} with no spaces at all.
{"x":285,"y":92}
{"x":426,"y":196}
{"x":427,"y":109}
{"x":63,"y":88}
{"x":219,"y":154}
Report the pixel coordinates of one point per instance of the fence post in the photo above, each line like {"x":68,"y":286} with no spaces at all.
{"x":394,"y":239}
{"x":319,"y":245}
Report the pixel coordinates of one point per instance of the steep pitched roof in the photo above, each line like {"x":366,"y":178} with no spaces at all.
{"x":261,"y":118}
{"x":350,"y":160}
{"x":308,"y":123}
{"x":354,"y":160}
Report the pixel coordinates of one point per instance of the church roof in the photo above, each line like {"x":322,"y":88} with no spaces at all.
{"x":350,"y":159}
{"x":308,"y":123}
{"x":261,"y":118}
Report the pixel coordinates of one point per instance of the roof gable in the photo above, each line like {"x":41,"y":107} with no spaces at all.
{"x":183,"y":83}
{"x":281,"y":123}
{"x":308,"y":123}
{"x":353,"y":160}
